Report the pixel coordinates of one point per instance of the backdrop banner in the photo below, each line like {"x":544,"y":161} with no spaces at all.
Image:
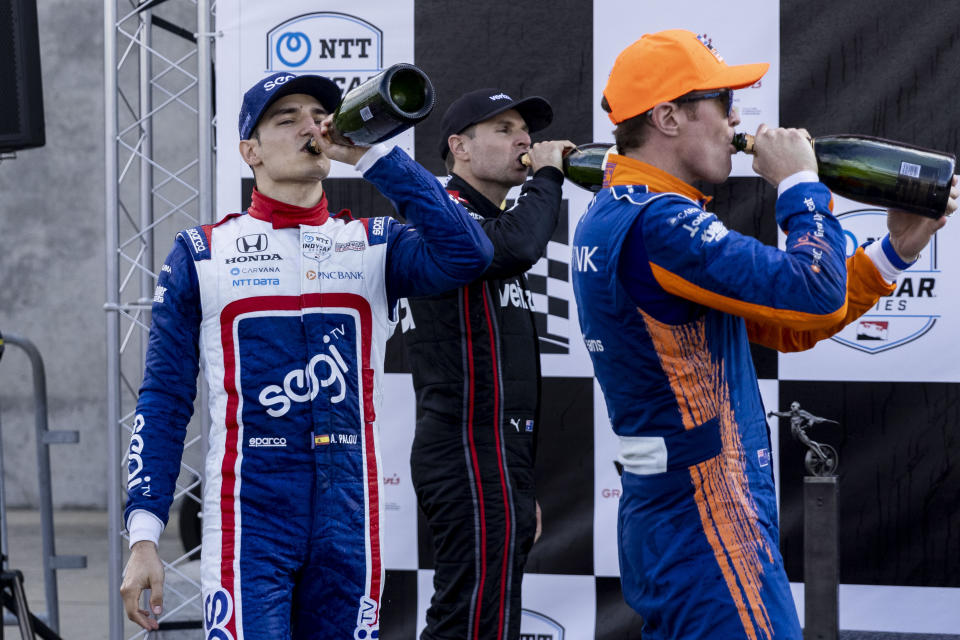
{"x":889,"y":379}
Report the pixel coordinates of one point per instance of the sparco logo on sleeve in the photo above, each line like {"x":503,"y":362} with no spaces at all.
{"x":199,"y":244}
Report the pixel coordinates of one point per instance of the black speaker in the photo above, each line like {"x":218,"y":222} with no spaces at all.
{"x":21,"y":89}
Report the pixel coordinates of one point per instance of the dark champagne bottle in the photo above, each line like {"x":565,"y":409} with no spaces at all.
{"x":386,"y":104}
{"x":880,"y":172}
{"x":584,"y":165}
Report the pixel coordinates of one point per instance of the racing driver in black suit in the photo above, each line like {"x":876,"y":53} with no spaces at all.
{"x":476,"y":371}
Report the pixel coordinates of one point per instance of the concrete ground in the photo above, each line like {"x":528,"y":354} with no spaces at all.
{"x":84,"y":600}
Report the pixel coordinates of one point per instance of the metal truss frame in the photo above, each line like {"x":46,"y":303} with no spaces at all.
{"x":159,"y":177}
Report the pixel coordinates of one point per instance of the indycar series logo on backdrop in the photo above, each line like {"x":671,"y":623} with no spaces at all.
{"x":913,"y":308}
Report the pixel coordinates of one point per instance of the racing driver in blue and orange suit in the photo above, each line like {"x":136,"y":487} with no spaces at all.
{"x":669,"y":300}
{"x":289,"y":309}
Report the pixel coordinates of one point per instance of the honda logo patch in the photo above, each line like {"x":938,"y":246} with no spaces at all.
{"x":252,"y":243}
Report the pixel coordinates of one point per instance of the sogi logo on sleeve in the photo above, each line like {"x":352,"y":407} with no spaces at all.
{"x":316,"y":246}
{"x":135,"y":461}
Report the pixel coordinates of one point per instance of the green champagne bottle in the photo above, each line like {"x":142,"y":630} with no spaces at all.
{"x":584,"y":165}
{"x":880,"y":172}
{"x":386,"y":104}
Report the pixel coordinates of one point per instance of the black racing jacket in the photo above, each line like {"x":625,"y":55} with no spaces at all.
{"x":474,"y":351}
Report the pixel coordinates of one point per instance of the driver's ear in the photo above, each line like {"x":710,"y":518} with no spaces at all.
{"x":665,"y":117}
{"x":457,"y":146}
{"x":250,"y":152}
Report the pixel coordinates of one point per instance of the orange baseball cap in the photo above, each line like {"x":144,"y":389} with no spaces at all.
{"x":666,"y":65}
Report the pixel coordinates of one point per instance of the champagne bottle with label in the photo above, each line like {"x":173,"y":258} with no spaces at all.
{"x":880,"y":172}
{"x":584,"y":165}
{"x":386,"y":104}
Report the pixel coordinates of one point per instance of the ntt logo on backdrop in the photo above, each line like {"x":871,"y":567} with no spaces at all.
{"x":347,"y":49}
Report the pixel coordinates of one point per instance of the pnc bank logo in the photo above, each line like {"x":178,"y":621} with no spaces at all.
{"x":346,"y":48}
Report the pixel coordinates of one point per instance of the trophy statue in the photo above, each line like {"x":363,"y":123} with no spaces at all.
{"x":821,"y":459}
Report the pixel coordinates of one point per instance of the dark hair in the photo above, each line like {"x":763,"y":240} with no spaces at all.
{"x":470,"y":132}
{"x":629,"y":134}
{"x":632,"y":133}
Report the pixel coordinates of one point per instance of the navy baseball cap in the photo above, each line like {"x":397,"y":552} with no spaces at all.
{"x":283,"y":83}
{"x":482,"y":104}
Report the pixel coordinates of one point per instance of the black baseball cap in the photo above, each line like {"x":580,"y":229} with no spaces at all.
{"x":482,"y":104}
{"x":283,"y":83}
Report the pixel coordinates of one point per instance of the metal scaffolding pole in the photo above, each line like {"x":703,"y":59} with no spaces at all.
{"x":113,"y":321}
{"x":158,"y":79}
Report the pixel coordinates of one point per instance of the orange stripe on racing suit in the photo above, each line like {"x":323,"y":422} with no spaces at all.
{"x":864,"y":287}
{"x":727,"y":512}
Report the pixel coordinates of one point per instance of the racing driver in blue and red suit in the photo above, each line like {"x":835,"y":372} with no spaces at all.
{"x":668,"y":301}
{"x":289,"y":309}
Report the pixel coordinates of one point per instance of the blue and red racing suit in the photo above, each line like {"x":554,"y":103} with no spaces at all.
{"x":289,"y":311}
{"x":668,"y":301}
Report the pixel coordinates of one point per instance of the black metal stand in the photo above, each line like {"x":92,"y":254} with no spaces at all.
{"x":821,"y":558}
{"x":13,"y":598}
{"x":16,"y":602}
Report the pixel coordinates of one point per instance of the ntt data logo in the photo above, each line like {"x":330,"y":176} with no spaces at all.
{"x":914,"y":307}
{"x":345,"y":48}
